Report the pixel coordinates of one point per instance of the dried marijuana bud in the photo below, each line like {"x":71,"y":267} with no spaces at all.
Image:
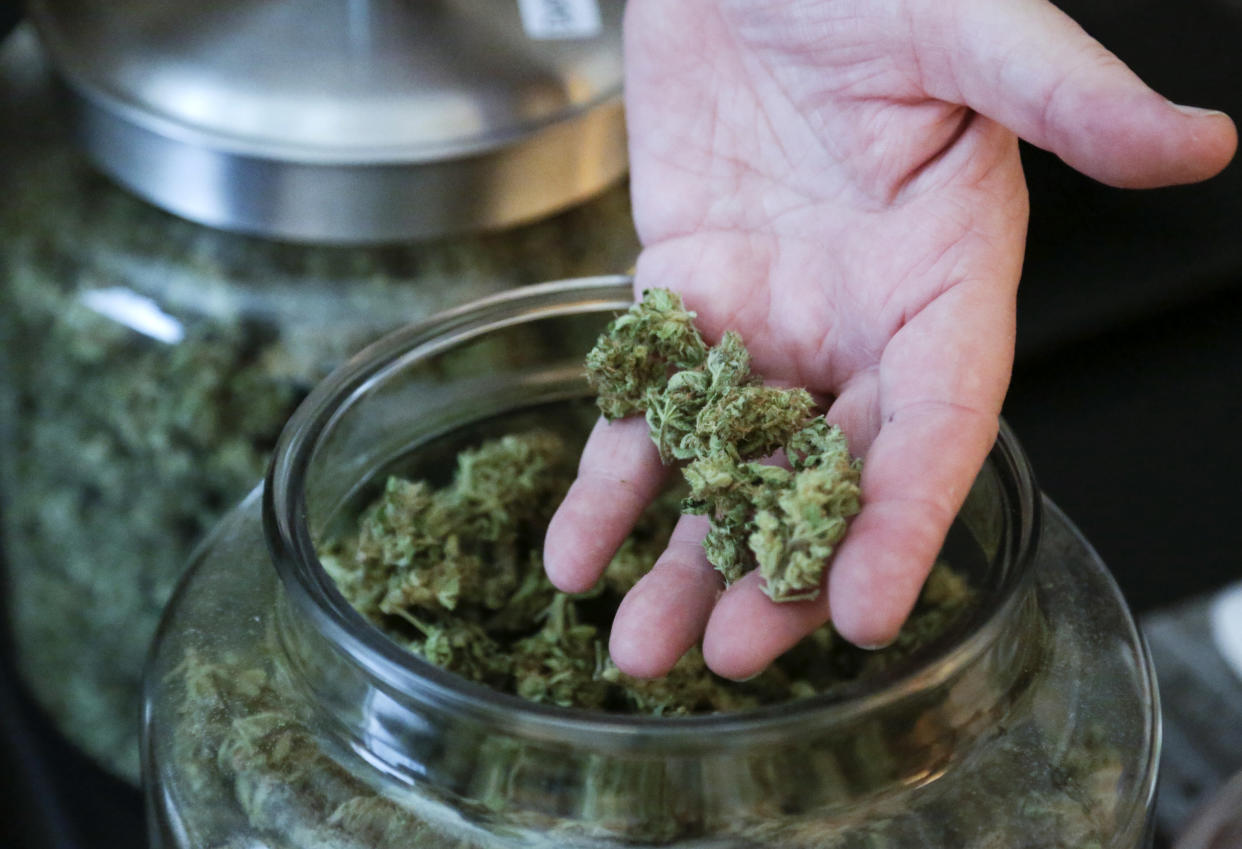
{"x":461,"y":544}
{"x":798,"y":526}
{"x":640,"y":349}
{"x":722,"y":407}
{"x":560,"y":662}
{"x":454,"y":574}
{"x":707,"y":407}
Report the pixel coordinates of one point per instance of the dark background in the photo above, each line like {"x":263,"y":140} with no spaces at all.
{"x":1126,"y":392}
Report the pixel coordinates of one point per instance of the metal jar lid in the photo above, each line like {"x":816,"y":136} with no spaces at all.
{"x":346,"y":120}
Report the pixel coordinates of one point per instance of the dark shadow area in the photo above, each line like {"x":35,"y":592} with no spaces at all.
{"x":1126,"y":388}
{"x":1099,"y":257}
{"x":1134,"y":433}
{"x":55,"y":797}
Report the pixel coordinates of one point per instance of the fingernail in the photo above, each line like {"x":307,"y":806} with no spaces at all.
{"x":876,"y":646}
{"x":1196,"y":111}
{"x":750,"y":677}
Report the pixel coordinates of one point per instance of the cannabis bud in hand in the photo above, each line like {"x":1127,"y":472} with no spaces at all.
{"x":640,"y":349}
{"x":704,"y":405}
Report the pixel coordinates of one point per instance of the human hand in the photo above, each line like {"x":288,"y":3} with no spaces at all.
{"x":839,"y":181}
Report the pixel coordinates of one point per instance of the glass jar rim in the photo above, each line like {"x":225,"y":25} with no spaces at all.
{"x":405,"y":675}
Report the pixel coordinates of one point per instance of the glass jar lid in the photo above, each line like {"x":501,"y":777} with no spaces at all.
{"x":362,"y":120}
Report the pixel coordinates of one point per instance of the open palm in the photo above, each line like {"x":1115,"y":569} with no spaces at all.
{"x":839,"y":181}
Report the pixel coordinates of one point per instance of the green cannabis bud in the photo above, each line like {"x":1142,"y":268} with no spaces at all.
{"x":639,"y":350}
{"x":704,"y":405}
{"x":454,"y":573}
{"x":436,"y":549}
{"x":457,"y":563}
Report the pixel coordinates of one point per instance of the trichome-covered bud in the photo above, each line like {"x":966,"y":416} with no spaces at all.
{"x":462,"y":647}
{"x":794,"y":538}
{"x":719,"y":416}
{"x":638,"y":351}
{"x":435,"y":549}
{"x":559,"y":664}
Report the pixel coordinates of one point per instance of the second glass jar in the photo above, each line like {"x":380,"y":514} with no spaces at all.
{"x":152,"y":364}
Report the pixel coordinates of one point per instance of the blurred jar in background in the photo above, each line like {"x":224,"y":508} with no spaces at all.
{"x":151,"y":363}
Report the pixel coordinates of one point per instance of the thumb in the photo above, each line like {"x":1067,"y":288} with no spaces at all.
{"x":1028,"y":66}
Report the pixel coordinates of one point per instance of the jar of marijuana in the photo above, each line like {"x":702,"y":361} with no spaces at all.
{"x":277,"y":715}
{"x":151,"y":364}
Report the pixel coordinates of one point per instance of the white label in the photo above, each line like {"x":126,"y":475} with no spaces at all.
{"x":1227,"y":626}
{"x":560,"y":18}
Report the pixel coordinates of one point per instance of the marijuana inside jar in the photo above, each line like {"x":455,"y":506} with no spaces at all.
{"x":152,"y":363}
{"x":278,"y":715}
{"x":455,"y":574}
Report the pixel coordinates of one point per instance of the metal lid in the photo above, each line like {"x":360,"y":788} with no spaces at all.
{"x":347,"y":120}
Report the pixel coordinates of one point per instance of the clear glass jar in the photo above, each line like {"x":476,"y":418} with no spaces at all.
{"x":151,"y":364}
{"x":276,"y":716}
